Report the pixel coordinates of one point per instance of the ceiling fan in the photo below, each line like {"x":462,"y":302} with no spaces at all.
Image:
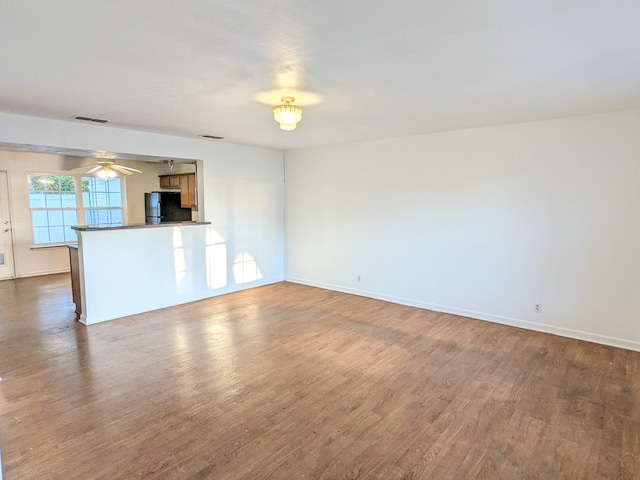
{"x":107,"y":169}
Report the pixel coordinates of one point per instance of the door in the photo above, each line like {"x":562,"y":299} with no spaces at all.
{"x":6,"y":243}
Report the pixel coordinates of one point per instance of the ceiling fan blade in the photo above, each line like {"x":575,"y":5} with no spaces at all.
{"x":118,"y":168}
{"x":122,"y":167}
{"x":94,"y":169}
{"x":82,"y":169}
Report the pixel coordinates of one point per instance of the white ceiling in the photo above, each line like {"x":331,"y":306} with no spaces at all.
{"x":361,"y":69}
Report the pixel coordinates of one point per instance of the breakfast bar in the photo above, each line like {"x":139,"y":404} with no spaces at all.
{"x":130,"y":269}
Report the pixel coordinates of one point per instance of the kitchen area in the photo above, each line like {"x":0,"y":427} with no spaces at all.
{"x":176,"y":184}
{"x":138,"y":264}
{"x":30,"y":256}
{"x":169,"y":209}
{"x":149,"y":250}
{"x":175,"y":201}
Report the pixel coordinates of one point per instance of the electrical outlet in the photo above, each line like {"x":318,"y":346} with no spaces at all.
{"x":537,"y":307}
{"x":358,"y":277}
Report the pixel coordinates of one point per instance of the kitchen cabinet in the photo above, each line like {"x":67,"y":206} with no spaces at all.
{"x":187,"y":184}
{"x":169,"y":181}
{"x":75,"y":279}
{"x":188,"y":191}
{"x":193,"y":191}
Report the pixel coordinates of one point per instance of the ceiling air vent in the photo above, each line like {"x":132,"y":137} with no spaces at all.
{"x":214,"y":137}
{"x":89,"y":119}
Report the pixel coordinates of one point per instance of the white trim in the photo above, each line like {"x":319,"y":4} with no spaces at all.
{"x":80,"y":208}
{"x":45,"y":272}
{"x":513,"y":322}
{"x":46,"y":209}
{"x":44,"y":246}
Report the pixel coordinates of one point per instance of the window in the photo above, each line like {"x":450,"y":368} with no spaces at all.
{"x":52,"y":200}
{"x":102,"y":201}
{"x":56,"y":205}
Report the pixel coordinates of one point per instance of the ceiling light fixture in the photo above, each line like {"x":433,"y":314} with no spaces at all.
{"x":106,"y":169}
{"x":287,"y":115}
{"x":106,"y":172}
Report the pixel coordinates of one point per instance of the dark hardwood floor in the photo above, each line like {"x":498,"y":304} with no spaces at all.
{"x":294,"y":382}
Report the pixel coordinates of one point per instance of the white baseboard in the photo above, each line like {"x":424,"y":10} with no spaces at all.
{"x":513,"y":322}
{"x":43,"y":272}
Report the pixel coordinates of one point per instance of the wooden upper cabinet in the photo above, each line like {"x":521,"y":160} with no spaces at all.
{"x":169,"y":181}
{"x":164,"y":181}
{"x":188,"y":190}
{"x":187,"y":184}
{"x":193,"y":191}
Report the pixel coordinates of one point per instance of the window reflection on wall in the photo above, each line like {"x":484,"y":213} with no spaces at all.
{"x":245,"y":268}
{"x":216,"y":254}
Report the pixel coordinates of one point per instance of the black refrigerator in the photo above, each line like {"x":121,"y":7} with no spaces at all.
{"x":161,"y":207}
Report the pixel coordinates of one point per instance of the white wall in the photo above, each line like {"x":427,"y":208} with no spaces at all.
{"x":129,"y":271}
{"x":241,"y":188}
{"x":244,"y":203}
{"x":482,"y":222}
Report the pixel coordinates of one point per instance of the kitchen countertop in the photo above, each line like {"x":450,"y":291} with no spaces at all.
{"x":86,"y":228}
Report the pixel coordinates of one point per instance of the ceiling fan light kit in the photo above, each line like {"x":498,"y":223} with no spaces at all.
{"x":107,"y":169}
{"x":106,"y":173}
{"x":287,"y":115}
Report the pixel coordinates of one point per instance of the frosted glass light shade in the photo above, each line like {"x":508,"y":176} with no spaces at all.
{"x":287,"y":115}
{"x":106,"y":173}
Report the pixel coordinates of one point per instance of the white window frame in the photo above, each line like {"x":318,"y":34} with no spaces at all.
{"x":79,"y":208}
{"x":50,"y":209}
{"x":84,"y":209}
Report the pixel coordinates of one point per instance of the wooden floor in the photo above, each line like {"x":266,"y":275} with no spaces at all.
{"x":294,"y":382}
